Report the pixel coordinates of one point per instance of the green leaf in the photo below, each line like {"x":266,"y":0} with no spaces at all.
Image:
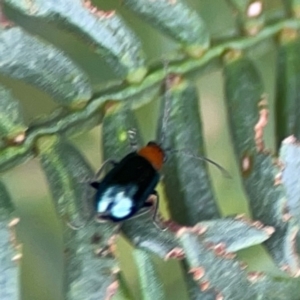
{"x":12,"y":127}
{"x":91,"y":265}
{"x":67,"y":174}
{"x":176,"y":19}
{"x":9,"y":271}
{"x":143,"y":234}
{"x":248,"y":115}
{"x":43,"y":66}
{"x":106,"y":31}
{"x":89,"y":258}
{"x":288,"y":86}
{"x":186,"y":179}
{"x":217,"y":273}
{"x":290,"y":156}
{"x":234,"y":234}
{"x":151,"y":284}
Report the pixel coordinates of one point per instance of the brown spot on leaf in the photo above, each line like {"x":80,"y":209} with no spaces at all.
{"x":255,"y":276}
{"x":204,"y":286}
{"x":197,"y":272}
{"x":4,"y":22}
{"x":260,"y":125}
{"x":176,"y":253}
{"x":220,"y":249}
{"x":172,"y":226}
{"x":258,"y":224}
{"x":12,"y":232}
{"x":219,"y":296}
{"x":182,"y":231}
{"x":278,"y":179}
{"x":198,"y":229}
{"x":269,"y":230}
{"x":243,"y":265}
{"x":246,"y":164}
{"x":230,"y":255}
{"x":97,"y":12}
{"x":96,"y":238}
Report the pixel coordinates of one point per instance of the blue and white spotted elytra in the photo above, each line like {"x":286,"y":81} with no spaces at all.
{"x":127,"y":186}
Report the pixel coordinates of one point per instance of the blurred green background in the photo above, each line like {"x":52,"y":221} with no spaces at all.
{"x":40,"y":230}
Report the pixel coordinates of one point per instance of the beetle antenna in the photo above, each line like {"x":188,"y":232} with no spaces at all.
{"x":188,"y":153}
{"x":167,"y":104}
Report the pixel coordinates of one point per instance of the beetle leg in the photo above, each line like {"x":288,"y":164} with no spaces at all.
{"x":108,"y":161}
{"x":78,"y":227}
{"x":155,"y":205}
{"x":94,"y":183}
{"x":132,"y":139}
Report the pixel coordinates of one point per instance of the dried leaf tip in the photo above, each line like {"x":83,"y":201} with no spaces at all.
{"x":260,"y":125}
{"x":198,"y":229}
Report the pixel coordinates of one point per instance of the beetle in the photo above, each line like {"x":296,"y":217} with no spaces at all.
{"x":125,"y":189}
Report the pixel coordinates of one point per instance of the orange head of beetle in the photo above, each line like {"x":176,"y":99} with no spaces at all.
{"x":154,"y":154}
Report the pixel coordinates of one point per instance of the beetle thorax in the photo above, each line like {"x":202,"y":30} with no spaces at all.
{"x":154,"y":154}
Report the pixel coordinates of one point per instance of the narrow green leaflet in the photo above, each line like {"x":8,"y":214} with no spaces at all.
{"x":9,"y":271}
{"x":223,"y":236}
{"x":90,"y":262}
{"x":176,"y":19}
{"x":151,"y":284}
{"x":290,"y":156}
{"x":29,"y":59}
{"x":12,"y":127}
{"x":143,"y":234}
{"x":88,"y":245}
{"x":288,"y":87}
{"x":106,"y":31}
{"x":247,"y":114}
{"x":186,"y":179}
{"x":234,"y":234}
{"x":218,"y":273}
{"x":68,"y":174}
